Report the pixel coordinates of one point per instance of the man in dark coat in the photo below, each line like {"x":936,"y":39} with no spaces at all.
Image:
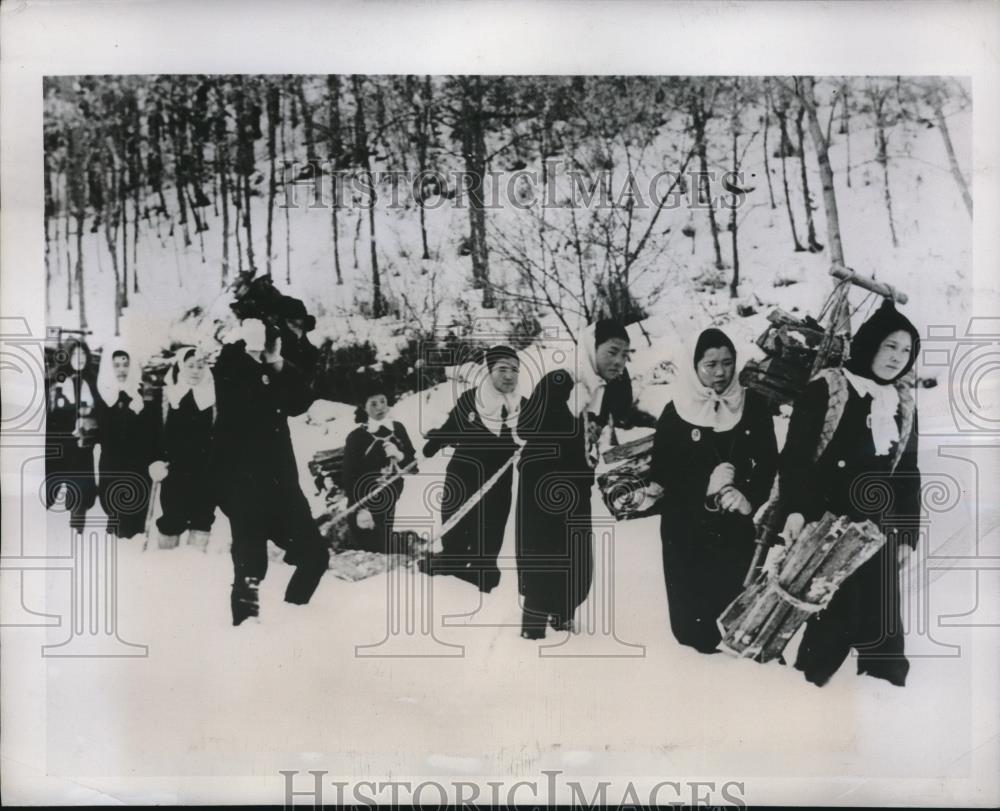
{"x":479,"y":428}
{"x":867,"y":471}
{"x":560,"y":425}
{"x":256,"y":473}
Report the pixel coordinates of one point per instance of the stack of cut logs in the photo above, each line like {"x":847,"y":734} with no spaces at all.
{"x":759,"y":623}
{"x":791,"y":345}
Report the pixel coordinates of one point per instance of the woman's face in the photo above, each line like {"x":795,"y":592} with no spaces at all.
{"x":377,"y":406}
{"x":611,"y":357}
{"x":893,"y":355}
{"x":192,"y":371}
{"x":504,"y":375}
{"x":716,"y":367}
{"x":120,"y":364}
{"x":77,"y":359}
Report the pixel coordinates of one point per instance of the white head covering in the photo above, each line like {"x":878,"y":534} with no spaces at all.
{"x":699,"y":404}
{"x":885,"y":403}
{"x":588,"y":393}
{"x":204,"y":392}
{"x":108,"y":385}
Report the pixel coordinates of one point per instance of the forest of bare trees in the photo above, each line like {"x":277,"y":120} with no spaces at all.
{"x":204,"y":159}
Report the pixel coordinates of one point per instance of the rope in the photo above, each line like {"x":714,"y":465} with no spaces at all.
{"x":791,"y":599}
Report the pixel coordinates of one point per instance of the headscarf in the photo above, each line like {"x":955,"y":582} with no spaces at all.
{"x":588,"y":393}
{"x":70,"y":375}
{"x":108,"y":385}
{"x":867,"y":340}
{"x":858,"y":371}
{"x":204,"y":392}
{"x":699,"y":404}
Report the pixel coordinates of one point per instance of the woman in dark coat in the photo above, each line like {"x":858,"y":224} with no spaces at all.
{"x":127,"y":435}
{"x":71,"y":432}
{"x":375,"y":451}
{"x":257,"y":478}
{"x":715,"y":456}
{"x":479,"y":428}
{"x":187,"y":493}
{"x":866,"y":417}
{"x":561,"y":425}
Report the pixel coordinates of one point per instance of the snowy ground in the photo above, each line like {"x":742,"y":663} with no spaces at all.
{"x":293,"y":692}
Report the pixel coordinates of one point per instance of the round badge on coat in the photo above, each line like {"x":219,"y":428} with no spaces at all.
{"x":868,"y":421}
{"x":265,"y":379}
{"x":695,"y":434}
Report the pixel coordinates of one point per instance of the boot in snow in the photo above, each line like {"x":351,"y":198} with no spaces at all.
{"x":198,"y":538}
{"x":168,"y":541}
{"x":245,"y":599}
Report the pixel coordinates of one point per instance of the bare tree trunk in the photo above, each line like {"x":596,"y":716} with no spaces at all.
{"x":69,"y":264}
{"x":273,"y":102}
{"x":336,"y":147}
{"x":120,"y":201}
{"x":245,"y":167}
{"x":811,"y":241}
{"x":956,"y":171}
{"x":81,"y":293}
{"x":363,"y":159}
{"x":783,"y":151}
{"x":767,"y":126}
{"x":222,"y":169}
{"x":699,"y":119}
{"x":882,"y":158}
{"x":734,"y":285}
{"x":845,"y":129}
{"x":825,"y":172}
{"x":474,"y":149}
{"x":288,"y":223}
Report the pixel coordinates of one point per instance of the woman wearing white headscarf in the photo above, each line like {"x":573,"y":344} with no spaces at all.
{"x":187,"y":494}
{"x":715,"y":456}
{"x":561,"y":425}
{"x":127,"y":439}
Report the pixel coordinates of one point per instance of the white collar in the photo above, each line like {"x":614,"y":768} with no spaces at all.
{"x":374,"y":425}
{"x":885,"y":403}
{"x":588,"y":393}
{"x":489,"y":403}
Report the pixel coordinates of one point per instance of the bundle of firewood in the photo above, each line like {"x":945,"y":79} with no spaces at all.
{"x":759,"y":623}
{"x":626,"y":488}
{"x":791,"y":345}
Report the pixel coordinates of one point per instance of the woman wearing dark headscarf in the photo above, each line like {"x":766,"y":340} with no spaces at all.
{"x":71,"y":431}
{"x":188,"y":494}
{"x":479,"y":427}
{"x":561,"y":425}
{"x":864,"y":421}
{"x":374,"y":452}
{"x":715,"y":455}
{"x":127,"y":437}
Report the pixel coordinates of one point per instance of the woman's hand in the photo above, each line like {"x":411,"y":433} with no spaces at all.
{"x":365,"y":520}
{"x":722,"y":475}
{"x":733,"y":501}
{"x":392,"y":451}
{"x":158,"y":471}
{"x":793,"y":526}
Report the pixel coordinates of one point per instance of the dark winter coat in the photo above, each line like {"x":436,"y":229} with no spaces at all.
{"x":128,"y":444}
{"x":849,"y":479}
{"x":254,"y":464}
{"x":188,"y":495}
{"x":66,"y":462}
{"x":470,"y":548}
{"x":553,"y":531}
{"x":365,"y":463}
{"x":706,"y":552}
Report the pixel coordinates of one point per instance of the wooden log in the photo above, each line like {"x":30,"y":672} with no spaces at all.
{"x":881,"y":288}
